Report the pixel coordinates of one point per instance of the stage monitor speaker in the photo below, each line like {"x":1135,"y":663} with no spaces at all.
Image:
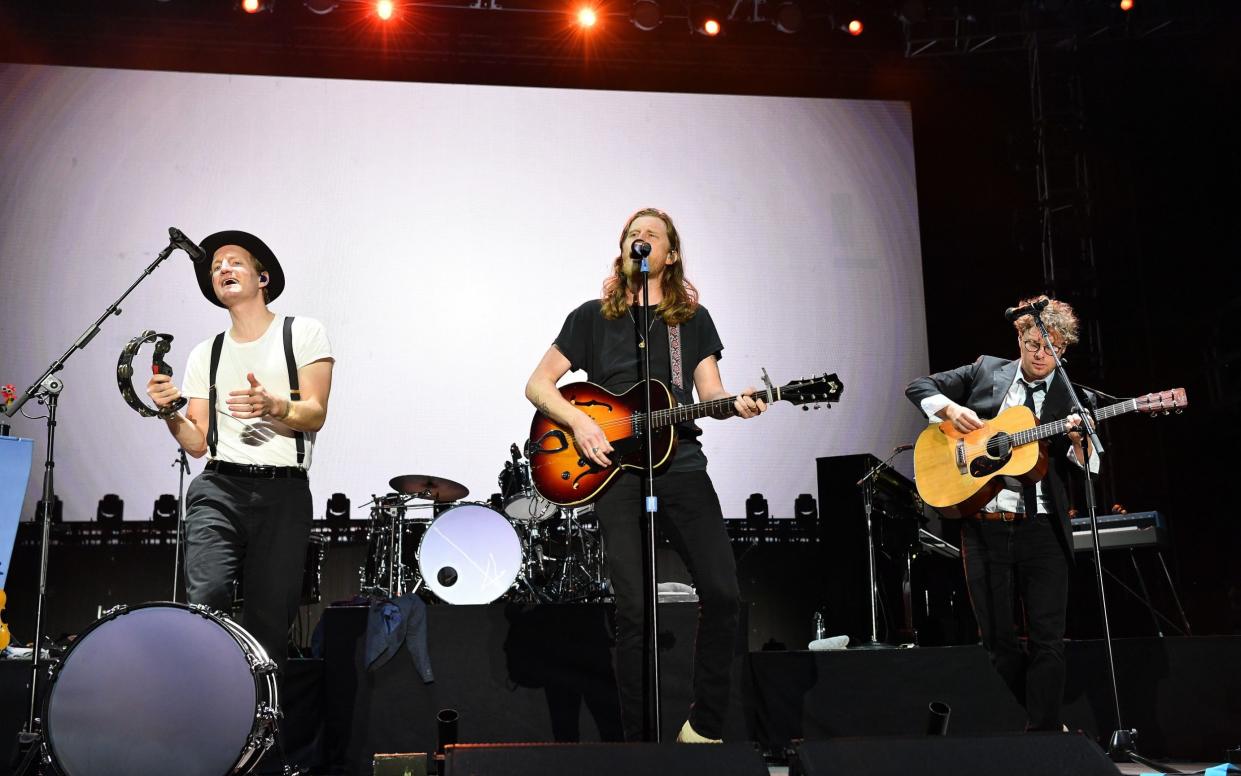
{"x":1031,"y":754}
{"x":603,"y":759}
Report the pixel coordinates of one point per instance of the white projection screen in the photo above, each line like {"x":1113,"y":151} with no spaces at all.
{"x":442,"y":233}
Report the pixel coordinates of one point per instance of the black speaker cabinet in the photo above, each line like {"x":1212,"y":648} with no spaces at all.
{"x":604,"y":759}
{"x":1031,"y":754}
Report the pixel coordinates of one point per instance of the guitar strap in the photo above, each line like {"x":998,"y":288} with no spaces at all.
{"x":674,"y":355}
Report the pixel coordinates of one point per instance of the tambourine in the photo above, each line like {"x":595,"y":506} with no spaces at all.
{"x":125,"y":373}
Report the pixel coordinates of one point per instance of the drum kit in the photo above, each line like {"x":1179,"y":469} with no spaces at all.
{"x":425,"y":538}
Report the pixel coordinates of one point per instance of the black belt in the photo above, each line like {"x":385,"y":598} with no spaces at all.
{"x":1006,"y":517}
{"x":256,"y":471}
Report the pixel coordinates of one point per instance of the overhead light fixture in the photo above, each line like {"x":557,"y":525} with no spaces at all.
{"x":646,"y":15}
{"x":705,"y":18}
{"x":321,"y":7}
{"x":587,"y":17}
{"x":789,"y":17}
{"x":255,"y":6}
{"x":912,"y":11}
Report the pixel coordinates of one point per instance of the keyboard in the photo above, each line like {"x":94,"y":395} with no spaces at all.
{"x":1121,"y":532}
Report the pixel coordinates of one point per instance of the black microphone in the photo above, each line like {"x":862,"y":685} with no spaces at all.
{"x":1034,"y":308}
{"x":197,"y":255}
{"x":901,"y":449}
{"x":639,"y":250}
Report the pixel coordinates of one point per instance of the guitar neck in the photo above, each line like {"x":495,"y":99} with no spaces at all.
{"x":716,"y":408}
{"x":1061,"y":426}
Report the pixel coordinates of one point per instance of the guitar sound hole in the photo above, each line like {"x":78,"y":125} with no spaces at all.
{"x":999,"y":450}
{"x":1000,"y":446}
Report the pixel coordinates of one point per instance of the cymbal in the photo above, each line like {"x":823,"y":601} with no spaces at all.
{"x":424,"y":486}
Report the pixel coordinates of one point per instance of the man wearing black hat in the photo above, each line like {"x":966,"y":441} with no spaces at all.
{"x":258,"y":395}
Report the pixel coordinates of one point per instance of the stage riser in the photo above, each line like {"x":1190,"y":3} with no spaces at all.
{"x":513,"y":673}
{"x":1180,"y":693}
{"x":606,"y":760}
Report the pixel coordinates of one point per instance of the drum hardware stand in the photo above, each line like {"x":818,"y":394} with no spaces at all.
{"x":867,"y":484}
{"x":46,"y":390}
{"x":184,"y":465}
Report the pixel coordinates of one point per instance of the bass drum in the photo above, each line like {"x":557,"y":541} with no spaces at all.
{"x":161,"y":688}
{"x":470,"y":554}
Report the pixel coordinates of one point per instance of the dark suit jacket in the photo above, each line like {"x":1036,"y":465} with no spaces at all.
{"x":981,"y":386}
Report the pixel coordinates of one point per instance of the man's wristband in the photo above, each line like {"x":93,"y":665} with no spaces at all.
{"x":288,"y":407}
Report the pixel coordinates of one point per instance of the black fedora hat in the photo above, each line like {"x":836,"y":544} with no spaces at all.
{"x":257,"y":248}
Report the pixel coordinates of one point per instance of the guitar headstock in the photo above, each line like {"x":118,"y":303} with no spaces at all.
{"x":824,"y":389}
{"x":1162,"y":402}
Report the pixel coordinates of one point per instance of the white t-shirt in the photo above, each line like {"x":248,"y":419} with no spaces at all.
{"x":263,"y":441}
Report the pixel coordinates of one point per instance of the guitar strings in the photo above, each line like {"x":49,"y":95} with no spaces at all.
{"x":973,"y":450}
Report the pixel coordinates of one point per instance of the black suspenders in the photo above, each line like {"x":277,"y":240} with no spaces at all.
{"x":213,"y":434}
{"x":217,"y":346}
{"x":294,"y":393}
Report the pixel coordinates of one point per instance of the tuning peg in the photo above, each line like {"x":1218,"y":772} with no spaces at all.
{"x":804,"y":408}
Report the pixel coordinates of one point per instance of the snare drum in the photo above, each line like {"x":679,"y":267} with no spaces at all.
{"x":470,"y":555}
{"x":521,"y":501}
{"x":161,"y":688}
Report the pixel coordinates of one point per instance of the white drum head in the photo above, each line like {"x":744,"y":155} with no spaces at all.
{"x":470,"y":555}
{"x":528,"y":507}
{"x":156,"y":690}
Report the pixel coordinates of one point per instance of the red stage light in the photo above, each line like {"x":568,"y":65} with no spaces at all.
{"x":711,"y":27}
{"x":1126,"y":5}
{"x":384,"y":9}
{"x":586,"y":16}
{"x":855,"y":27}
{"x":251,"y":6}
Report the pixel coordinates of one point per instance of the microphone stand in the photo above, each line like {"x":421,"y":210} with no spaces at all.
{"x":650,"y":507}
{"x":1122,"y":744}
{"x":867,"y":484}
{"x":184,"y":468}
{"x":46,"y":389}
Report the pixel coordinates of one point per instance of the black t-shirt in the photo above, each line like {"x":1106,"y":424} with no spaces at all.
{"x":608,"y":352}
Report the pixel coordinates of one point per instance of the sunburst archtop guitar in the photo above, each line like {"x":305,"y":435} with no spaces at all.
{"x":962,"y":472}
{"x":563,"y":476}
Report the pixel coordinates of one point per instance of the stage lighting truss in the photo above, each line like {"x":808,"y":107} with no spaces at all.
{"x":706,"y":18}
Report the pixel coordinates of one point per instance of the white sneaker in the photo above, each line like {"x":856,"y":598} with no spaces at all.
{"x":688,"y":735}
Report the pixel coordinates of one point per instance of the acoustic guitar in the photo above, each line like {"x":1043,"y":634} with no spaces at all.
{"x":962,"y":472}
{"x":563,"y":476}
